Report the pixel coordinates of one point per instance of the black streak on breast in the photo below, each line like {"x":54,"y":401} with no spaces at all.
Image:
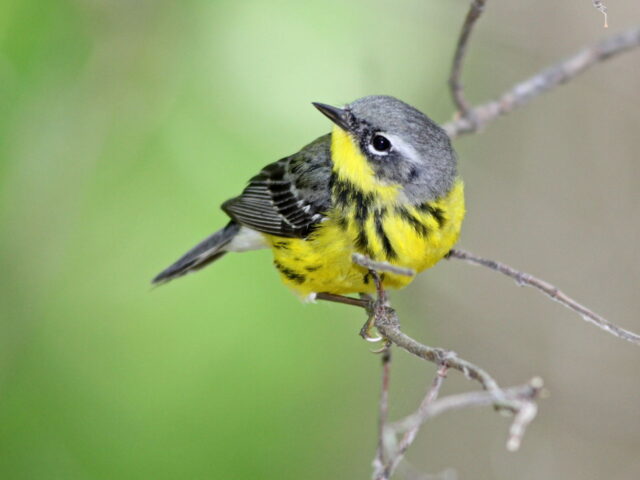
{"x":290,"y":274}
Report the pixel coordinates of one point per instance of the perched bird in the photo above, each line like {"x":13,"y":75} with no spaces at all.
{"x":383,"y":184}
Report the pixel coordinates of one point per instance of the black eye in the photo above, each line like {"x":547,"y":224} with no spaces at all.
{"x":381,"y":143}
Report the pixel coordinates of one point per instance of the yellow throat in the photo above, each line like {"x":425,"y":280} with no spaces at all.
{"x":368,"y":217}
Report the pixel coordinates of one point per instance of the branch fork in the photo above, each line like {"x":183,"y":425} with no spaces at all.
{"x":395,"y":438}
{"x":520,"y":401}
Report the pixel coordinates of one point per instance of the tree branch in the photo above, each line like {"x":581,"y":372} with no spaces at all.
{"x":527,"y":392}
{"x":370,"y":264}
{"x":551,"y":291}
{"x":386,"y":322}
{"x":519,"y":401}
{"x":457,"y":91}
{"x":397,"y":453}
{"x":383,"y":414}
{"x":601,"y":7}
{"x":522,"y":93}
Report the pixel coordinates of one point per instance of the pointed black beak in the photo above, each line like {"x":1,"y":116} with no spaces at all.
{"x":337,"y":115}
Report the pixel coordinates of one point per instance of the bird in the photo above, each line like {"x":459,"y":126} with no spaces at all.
{"x":383,"y":184}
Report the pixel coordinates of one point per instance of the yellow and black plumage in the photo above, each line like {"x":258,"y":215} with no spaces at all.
{"x":384,"y":184}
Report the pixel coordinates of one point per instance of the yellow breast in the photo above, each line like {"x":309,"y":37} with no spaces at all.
{"x":322,"y":262}
{"x":371,"y":219}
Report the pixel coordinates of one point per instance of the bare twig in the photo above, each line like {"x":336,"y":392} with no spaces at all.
{"x":367,"y":262}
{"x":552,"y":292}
{"x":383,"y":414}
{"x":603,"y":9}
{"x":385,"y":320}
{"x":518,"y":400}
{"x":523,"y":418}
{"x":521,"y":396}
{"x":388,"y":325}
{"x":544,"y":81}
{"x":410,"y":434}
{"x":457,"y":92}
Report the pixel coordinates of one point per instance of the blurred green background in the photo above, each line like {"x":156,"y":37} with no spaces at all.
{"x":124,"y":124}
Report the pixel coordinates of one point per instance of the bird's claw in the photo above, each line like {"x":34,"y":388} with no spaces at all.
{"x":375,"y":339}
{"x":365,"y":331}
{"x":374,"y":307}
{"x":384,"y":348}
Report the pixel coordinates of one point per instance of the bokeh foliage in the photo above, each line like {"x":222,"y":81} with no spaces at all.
{"x":123,"y":126}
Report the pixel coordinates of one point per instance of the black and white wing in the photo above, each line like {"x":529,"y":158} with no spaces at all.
{"x":287,"y":198}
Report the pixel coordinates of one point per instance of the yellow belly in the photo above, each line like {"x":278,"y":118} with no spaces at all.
{"x":417,"y":240}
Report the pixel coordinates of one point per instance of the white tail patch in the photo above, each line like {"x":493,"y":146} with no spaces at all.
{"x":247,"y":239}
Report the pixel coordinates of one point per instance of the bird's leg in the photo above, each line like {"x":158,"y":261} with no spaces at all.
{"x":365,"y":301}
{"x":356,"y":302}
{"x":380,"y":305}
{"x":382,"y":294}
{"x":376,"y":308}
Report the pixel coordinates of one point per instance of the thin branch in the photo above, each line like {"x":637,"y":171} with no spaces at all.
{"x":375,"y":266}
{"x":551,"y":291}
{"x":526,"y":414}
{"x":519,"y":402}
{"x":457,"y":91}
{"x":410,"y":434}
{"x":389,"y":327}
{"x":383,"y":414}
{"x":522,"y":396}
{"x":602,"y":8}
{"x":386,"y":322}
{"x":544,"y":81}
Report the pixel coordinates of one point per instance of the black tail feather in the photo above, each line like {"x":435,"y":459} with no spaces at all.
{"x":201,"y":255}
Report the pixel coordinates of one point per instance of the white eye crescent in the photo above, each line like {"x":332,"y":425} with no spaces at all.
{"x":379,"y":145}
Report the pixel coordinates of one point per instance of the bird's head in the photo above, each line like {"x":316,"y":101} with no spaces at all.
{"x":381,"y":141}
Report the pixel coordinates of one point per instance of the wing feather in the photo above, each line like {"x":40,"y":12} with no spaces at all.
{"x":289,"y":197}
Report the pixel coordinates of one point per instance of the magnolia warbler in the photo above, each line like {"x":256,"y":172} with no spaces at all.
{"x":383,"y":183}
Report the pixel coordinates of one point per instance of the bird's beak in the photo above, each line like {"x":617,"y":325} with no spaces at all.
{"x":337,"y":115}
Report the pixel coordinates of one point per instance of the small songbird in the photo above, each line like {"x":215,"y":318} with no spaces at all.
{"x":383,"y":184}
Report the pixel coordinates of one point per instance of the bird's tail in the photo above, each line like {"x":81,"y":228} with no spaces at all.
{"x":207,"y":251}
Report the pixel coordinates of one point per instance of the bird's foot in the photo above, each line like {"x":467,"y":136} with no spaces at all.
{"x":375,"y":307}
{"x":367,"y":329}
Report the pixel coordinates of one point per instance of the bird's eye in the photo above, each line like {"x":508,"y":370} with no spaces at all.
{"x":380,"y":143}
